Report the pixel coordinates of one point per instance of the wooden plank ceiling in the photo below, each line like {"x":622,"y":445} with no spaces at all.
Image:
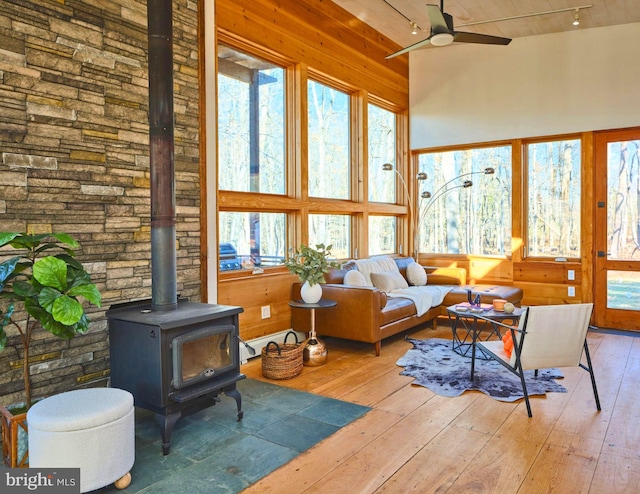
{"x":392,"y":17}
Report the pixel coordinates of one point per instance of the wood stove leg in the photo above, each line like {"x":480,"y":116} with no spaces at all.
{"x":235,"y":394}
{"x":166,"y":423}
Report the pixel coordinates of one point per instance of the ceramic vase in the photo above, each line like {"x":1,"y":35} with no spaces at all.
{"x":311,"y":294}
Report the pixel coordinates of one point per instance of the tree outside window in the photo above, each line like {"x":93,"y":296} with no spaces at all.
{"x":329,"y":137}
{"x":623,"y":202}
{"x":251,"y":129}
{"x":331,"y":229}
{"x":553,"y":198}
{"x":382,"y":235}
{"x":463,"y":219}
{"x":382,"y":149}
{"x":251,"y":157}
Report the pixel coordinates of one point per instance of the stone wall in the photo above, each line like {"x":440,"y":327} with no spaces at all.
{"x":74,"y":158}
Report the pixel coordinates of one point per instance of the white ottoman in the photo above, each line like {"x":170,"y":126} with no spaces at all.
{"x":91,"y":429}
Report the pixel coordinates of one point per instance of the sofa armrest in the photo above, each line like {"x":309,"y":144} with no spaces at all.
{"x":356,"y":316}
{"x":445,"y":276}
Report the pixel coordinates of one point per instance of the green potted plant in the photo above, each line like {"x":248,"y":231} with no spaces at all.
{"x":310,"y":265}
{"x":46,"y":282}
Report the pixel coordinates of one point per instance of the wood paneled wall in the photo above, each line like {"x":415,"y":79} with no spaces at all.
{"x":254,"y":292}
{"x":324,"y":37}
{"x":543,"y":282}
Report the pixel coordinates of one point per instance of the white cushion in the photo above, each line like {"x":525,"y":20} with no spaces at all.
{"x":354,"y":278}
{"x":416,"y":275}
{"x":388,"y":281}
{"x":377,"y":264}
{"x":80,"y":409}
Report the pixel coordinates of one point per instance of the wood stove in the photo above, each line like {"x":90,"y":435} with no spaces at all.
{"x":175,"y":362}
{"x":173,"y":355}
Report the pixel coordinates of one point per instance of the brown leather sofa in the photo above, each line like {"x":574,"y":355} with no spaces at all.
{"x":367,"y":314}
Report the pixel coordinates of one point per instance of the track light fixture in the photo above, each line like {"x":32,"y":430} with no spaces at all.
{"x":414,"y":28}
{"x":576,"y":15}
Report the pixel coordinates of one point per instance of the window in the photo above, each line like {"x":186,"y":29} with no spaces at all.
{"x":382,"y":149}
{"x":382,"y":235}
{"x":251,"y":129}
{"x":469,"y":208}
{"x":331,"y":229}
{"x":251,"y":157}
{"x":621,"y":285}
{"x":553,"y":198}
{"x":269,"y":196}
{"x":329,"y":137}
{"x":623,"y":203}
{"x":249,"y":240}
{"x":381,"y":138}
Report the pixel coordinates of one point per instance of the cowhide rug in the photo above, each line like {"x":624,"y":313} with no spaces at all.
{"x":435,"y":365}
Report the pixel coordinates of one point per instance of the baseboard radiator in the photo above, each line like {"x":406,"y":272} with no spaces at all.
{"x":260,"y":343}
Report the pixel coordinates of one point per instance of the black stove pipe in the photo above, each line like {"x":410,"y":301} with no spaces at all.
{"x":161,"y":152}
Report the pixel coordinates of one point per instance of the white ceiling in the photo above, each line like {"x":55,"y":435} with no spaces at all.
{"x":382,"y":16}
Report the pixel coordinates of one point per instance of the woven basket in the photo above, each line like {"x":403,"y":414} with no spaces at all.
{"x":282,"y":361}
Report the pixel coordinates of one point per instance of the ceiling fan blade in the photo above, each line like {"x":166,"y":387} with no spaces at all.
{"x":442,"y":33}
{"x":462,"y":37}
{"x":409,"y":48}
{"x":437,"y":19}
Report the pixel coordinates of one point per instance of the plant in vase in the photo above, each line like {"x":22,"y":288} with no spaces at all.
{"x":310,"y":265}
{"x":47,"y":286}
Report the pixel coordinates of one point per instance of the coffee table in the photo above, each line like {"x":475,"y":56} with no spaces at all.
{"x":472,"y":323}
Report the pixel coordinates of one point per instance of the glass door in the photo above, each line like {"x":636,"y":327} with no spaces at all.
{"x":617,"y":229}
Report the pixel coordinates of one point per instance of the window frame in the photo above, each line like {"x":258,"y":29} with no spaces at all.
{"x":393,"y":161}
{"x":525,"y":195}
{"x":349,"y":93}
{"x":399,"y":208}
{"x":395,"y":229}
{"x":476,"y":178}
{"x":296,"y":203}
{"x":520,"y":194}
{"x":349,"y":229}
{"x":282,"y":175}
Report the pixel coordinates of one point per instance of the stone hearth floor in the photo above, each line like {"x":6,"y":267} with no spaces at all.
{"x":213,"y":453}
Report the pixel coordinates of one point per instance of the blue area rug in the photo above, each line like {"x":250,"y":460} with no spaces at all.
{"x":211,"y":452}
{"x":435,"y":365}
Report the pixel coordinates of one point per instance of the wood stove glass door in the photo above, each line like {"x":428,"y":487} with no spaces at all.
{"x":203,"y":354}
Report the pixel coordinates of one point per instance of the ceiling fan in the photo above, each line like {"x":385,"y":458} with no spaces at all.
{"x":443,"y":34}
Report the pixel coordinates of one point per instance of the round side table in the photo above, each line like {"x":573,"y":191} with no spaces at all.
{"x":315,"y":351}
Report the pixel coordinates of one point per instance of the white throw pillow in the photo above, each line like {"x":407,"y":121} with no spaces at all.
{"x":354,"y":278}
{"x":416,"y":275}
{"x":389,"y":281}
{"x":376,"y":264}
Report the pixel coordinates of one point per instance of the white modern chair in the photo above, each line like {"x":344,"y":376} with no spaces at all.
{"x":546,"y":336}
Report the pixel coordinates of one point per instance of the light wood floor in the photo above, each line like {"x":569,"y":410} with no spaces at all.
{"x":416,"y":441}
